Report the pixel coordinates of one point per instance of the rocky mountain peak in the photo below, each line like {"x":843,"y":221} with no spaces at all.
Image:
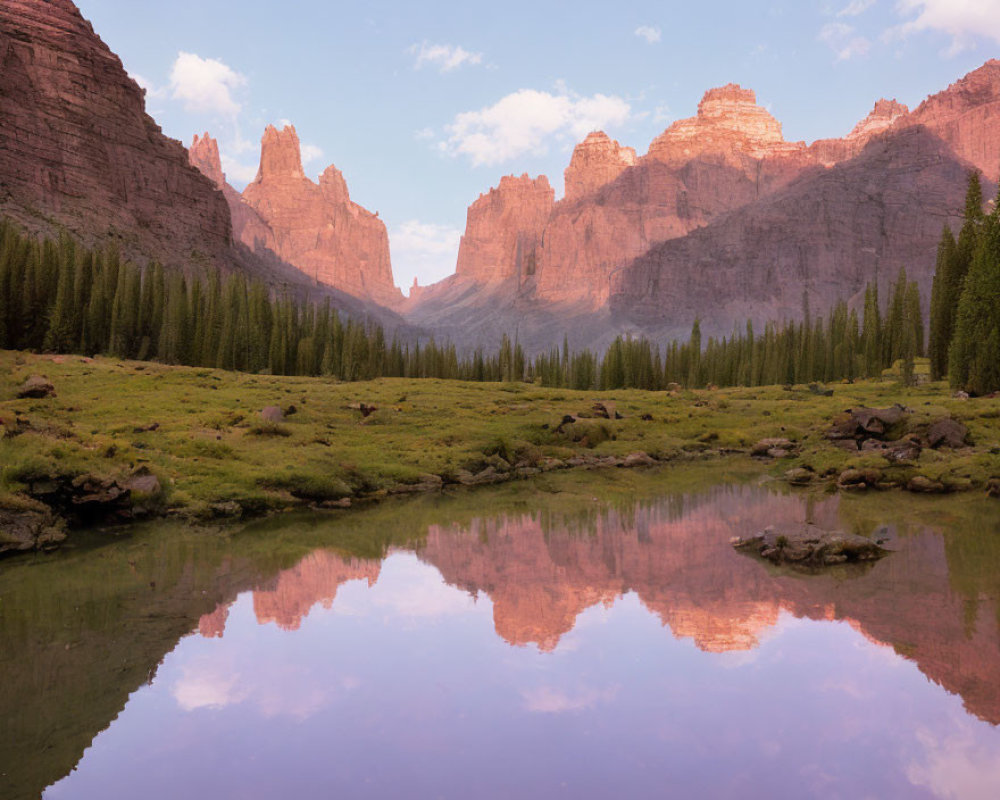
{"x":596,"y":161}
{"x":881,"y":117}
{"x":334,"y":186}
{"x":280,"y":155}
{"x":204,"y":154}
{"x":729,"y":120}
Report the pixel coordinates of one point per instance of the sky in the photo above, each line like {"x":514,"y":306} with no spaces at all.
{"x":425,"y":105}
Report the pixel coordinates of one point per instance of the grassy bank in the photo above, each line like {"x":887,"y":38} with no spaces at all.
{"x":201,"y":433}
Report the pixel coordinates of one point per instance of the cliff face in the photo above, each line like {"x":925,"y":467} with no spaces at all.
{"x":248,"y":226}
{"x":503,"y":231}
{"x":78,"y":151}
{"x":686,"y":230}
{"x":825,"y":236}
{"x":316,"y":227}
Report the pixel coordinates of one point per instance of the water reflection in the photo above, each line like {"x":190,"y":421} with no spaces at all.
{"x":560,"y":647}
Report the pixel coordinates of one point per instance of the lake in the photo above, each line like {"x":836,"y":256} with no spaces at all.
{"x":580,"y":636}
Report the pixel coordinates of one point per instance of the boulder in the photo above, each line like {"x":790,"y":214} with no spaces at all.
{"x":605,"y":409}
{"x":773,"y":448}
{"x":799,"y":476}
{"x":272,"y":414}
{"x":947,"y":433}
{"x":809,"y":546}
{"x":36,"y":387}
{"x":859,"y":479}
{"x":921,"y":484}
{"x":639,"y":459}
{"x":993,"y":487}
{"x":21,"y":531}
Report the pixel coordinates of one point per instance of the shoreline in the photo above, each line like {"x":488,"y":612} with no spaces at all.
{"x":196,"y":444}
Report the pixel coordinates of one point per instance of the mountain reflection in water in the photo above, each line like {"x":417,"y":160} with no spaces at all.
{"x":608,"y":651}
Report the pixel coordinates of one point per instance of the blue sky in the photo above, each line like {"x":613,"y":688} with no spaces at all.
{"x":423,"y":105}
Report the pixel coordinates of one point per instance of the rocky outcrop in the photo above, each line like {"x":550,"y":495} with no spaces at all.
{"x":721,"y":193}
{"x":503,"y":231}
{"x":316,"y":227}
{"x":966,"y":116}
{"x":823,"y":237}
{"x":248,"y":226}
{"x":79,"y":152}
{"x":809,"y":547}
{"x":596,"y":162}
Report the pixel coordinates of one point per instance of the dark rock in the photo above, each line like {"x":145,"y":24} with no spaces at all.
{"x":605,"y":409}
{"x":272,"y":414}
{"x":21,"y":531}
{"x":993,"y":487}
{"x":820,"y":390}
{"x":36,"y":387}
{"x":146,"y":428}
{"x":947,"y":433}
{"x":809,"y":546}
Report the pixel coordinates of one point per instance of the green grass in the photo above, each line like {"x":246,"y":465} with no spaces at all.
{"x":211,"y":445}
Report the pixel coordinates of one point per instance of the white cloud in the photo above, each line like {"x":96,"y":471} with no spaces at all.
{"x":445,"y":57}
{"x":236,"y":172}
{"x":310,"y":153}
{"x":649,"y":33}
{"x":423,"y":250}
{"x":843,"y":40}
{"x":557,"y":700}
{"x":963,"y":20}
{"x":524,"y":122}
{"x":956,"y":766}
{"x":205,"y":85}
{"x":855,"y":7}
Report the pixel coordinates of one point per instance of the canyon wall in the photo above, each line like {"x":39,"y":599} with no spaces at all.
{"x":725,"y":220}
{"x":79,"y":153}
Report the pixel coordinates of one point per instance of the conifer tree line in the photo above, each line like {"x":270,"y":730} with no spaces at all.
{"x":56,"y":296}
{"x":965,"y":299}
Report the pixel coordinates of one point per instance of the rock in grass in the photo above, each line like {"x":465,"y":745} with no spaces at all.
{"x":21,"y":531}
{"x":799,"y":476}
{"x":773,"y":448}
{"x":638,"y":459}
{"x":809,"y":546}
{"x":947,"y":433}
{"x":272,"y":414}
{"x":36,"y":387}
{"x":993,"y":487}
{"x":921,"y":484}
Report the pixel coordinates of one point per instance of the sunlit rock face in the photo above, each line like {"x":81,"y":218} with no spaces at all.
{"x":78,"y":151}
{"x":729,"y":166}
{"x":248,"y":226}
{"x":504,"y":230}
{"x":966,"y":116}
{"x":596,"y":162}
{"x":316,"y":227}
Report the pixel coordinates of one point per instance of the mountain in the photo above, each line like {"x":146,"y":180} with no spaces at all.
{"x":721,"y":219}
{"x":78,"y":151}
{"x":79,"y":154}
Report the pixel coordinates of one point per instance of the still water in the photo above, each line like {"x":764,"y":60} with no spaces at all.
{"x":514,"y":644}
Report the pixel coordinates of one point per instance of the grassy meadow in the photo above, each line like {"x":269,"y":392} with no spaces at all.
{"x":200,"y":431}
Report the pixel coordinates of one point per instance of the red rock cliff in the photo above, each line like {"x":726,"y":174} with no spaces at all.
{"x":316,"y":227}
{"x":596,"y":162}
{"x":503,"y":230}
{"x":248,"y":226}
{"x":77,"y":148}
